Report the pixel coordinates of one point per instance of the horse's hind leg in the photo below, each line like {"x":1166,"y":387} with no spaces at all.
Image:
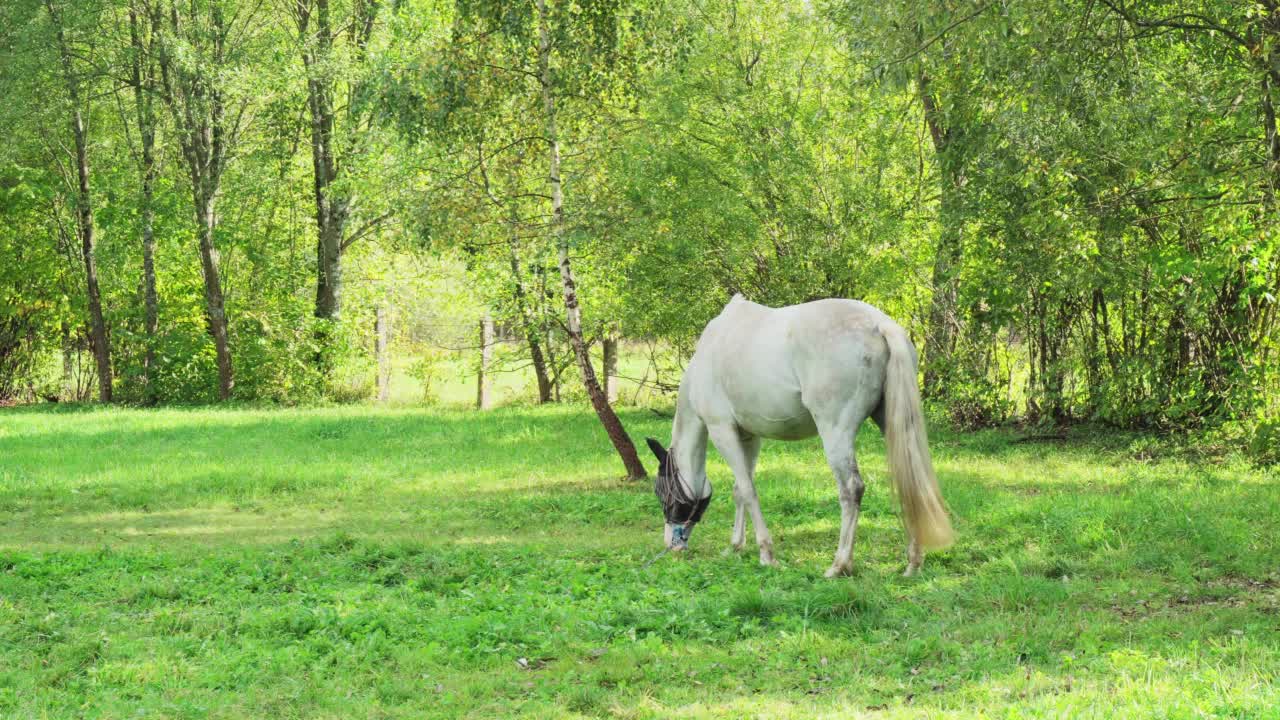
{"x":914,"y":556}
{"x":837,"y":443}
{"x":740,"y":454}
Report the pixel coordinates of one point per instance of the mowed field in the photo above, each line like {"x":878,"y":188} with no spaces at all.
{"x":403,"y":563}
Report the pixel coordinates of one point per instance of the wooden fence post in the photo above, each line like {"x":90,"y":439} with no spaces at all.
{"x":380,"y":351}
{"x":483,"y":381}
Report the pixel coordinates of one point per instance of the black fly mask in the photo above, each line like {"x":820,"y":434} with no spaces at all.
{"x":678,"y":506}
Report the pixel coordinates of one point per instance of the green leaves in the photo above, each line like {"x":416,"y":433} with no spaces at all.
{"x":1095,"y":180}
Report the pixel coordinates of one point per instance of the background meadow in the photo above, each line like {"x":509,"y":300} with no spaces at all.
{"x":401,"y":562}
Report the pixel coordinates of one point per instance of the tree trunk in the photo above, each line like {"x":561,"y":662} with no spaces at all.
{"x":97,"y":325}
{"x":573,"y":313}
{"x":150,"y":297}
{"x":98,"y":339}
{"x":331,"y":211}
{"x":526,"y":320}
{"x":215,"y":307}
{"x":380,"y":352}
{"x":944,"y":321}
{"x":328,"y":307}
{"x":545,"y":312}
{"x":611,"y":366}
{"x":68,"y":364}
{"x":329,"y":272}
{"x":483,"y":381}
{"x":1270,"y":86}
{"x":142,"y":85}
{"x":331,"y":207}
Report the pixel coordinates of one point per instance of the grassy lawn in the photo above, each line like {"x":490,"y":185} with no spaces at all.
{"x":367,"y":563}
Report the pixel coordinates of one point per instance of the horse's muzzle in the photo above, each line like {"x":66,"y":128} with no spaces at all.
{"x":680,"y":536}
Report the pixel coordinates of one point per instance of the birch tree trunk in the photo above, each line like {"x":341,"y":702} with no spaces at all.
{"x":84,"y":216}
{"x":521,"y":296}
{"x":573,"y":313}
{"x":611,"y":366}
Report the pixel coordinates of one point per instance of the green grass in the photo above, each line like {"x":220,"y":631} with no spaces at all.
{"x":368,"y":563}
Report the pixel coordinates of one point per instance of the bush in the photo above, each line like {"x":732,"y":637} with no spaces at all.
{"x":352,"y":385}
{"x":19,"y":353}
{"x":1264,"y":443}
{"x":427,"y":369}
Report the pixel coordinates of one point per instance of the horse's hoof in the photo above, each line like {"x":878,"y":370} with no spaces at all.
{"x":911,"y":571}
{"x":768,"y":561}
{"x":839,"y":571}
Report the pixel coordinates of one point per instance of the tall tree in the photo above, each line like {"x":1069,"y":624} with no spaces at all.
{"x":142,"y":79}
{"x":944,"y":320}
{"x":1247,"y":36}
{"x":544,"y":57}
{"x":196,"y":50}
{"x":942,"y":52}
{"x":550,"y":91}
{"x":510,"y":204}
{"x":77,"y":110}
{"x":338,"y":120}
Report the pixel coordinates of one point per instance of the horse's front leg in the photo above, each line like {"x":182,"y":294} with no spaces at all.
{"x":739,"y":538}
{"x":741,"y":454}
{"x":751,"y":453}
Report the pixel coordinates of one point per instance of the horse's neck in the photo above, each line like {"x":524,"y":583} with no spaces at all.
{"x":689,"y":441}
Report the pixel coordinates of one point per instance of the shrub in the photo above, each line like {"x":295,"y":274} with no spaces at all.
{"x":1264,"y":443}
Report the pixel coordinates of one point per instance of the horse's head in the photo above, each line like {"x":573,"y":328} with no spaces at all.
{"x":680,"y":507}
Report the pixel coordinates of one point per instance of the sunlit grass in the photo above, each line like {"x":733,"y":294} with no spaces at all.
{"x":511,"y":380}
{"x":366,"y":562}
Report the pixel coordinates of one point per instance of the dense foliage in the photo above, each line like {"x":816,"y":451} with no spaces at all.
{"x":1071,"y":204}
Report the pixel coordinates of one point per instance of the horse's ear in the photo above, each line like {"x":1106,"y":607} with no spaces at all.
{"x":658,"y":451}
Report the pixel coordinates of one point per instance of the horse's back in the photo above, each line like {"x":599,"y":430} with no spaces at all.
{"x":839,"y":355}
{"x":743,"y":374}
{"x":779,"y":372}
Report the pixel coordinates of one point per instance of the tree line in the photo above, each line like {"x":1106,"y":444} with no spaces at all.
{"x":1071,"y":204}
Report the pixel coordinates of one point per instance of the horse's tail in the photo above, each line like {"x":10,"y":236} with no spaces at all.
{"x":908,"y":445}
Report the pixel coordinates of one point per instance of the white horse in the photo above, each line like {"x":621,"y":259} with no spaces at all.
{"x":790,"y":373}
